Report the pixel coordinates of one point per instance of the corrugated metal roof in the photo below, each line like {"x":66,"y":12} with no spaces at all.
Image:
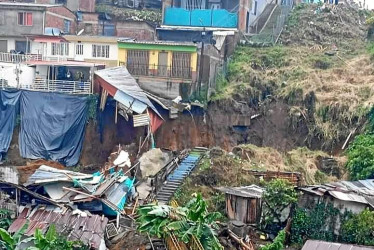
{"x":356,"y":191}
{"x":45,"y":174}
{"x":322,"y":245}
{"x":121,"y":79}
{"x":87,"y":228}
{"x":252,"y":191}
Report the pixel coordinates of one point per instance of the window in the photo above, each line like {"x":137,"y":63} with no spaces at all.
{"x":79,"y":49}
{"x":100,"y":51}
{"x":66,"y":26}
{"x":25,"y":18}
{"x":60,"y":49}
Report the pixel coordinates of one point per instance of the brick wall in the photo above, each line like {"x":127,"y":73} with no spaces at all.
{"x":55,"y":17}
{"x":137,"y":30}
{"x":87,"y":5}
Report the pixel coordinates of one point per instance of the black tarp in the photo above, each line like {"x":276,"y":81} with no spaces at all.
{"x":8,"y":113}
{"x":52,"y":126}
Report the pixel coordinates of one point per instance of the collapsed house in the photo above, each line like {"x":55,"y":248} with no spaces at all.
{"x":39,"y":212}
{"x":353,"y":196}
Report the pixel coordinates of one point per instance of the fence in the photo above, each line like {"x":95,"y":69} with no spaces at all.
{"x":273,"y":29}
{"x":219,"y":18}
{"x":19,"y":58}
{"x":60,"y":86}
{"x":158,"y":70}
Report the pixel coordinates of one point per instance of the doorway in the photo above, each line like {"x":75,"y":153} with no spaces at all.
{"x":162,"y":64}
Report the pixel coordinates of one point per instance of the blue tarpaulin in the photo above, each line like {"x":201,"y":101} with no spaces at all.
{"x":8,"y":114}
{"x":52,"y":126}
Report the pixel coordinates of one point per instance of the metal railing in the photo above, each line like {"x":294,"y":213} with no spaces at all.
{"x":59,"y":86}
{"x":20,"y":58}
{"x":155,"y":70}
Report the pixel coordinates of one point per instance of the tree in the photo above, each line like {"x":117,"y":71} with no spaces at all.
{"x":360,"y":163}
{"x":278,"y":195}
{"x":193,"y":220}
{"x":359,"y":229}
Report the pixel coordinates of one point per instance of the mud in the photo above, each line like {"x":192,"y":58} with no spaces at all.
{"x":225,"y":123}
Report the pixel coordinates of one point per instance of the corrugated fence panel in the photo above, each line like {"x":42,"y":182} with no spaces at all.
{"x":141,"y":120}
{"x":201,"y":18}
{"x":220,"y":18}
{"x":224,"y":19}
{"x":177,"y":16}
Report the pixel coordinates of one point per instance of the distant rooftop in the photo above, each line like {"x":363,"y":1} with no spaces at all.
{"x":158,"y":42}
{"x":29,"y":4}
{"x":319,"y":245}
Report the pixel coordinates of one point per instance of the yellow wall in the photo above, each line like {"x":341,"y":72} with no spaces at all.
{"x":153,"y":58}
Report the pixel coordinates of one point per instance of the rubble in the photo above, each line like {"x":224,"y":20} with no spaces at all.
{"x":152,"y":161}
{"x":326,"y":25}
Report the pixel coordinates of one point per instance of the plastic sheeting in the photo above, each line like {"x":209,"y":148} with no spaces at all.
{"x":8,"y":113}
{"x":52,"y":126}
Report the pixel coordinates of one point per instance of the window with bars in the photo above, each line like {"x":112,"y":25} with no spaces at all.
{"x":25,"y":18}
{"x":100,"y":51}
{"x":60,"y":49}
{"x":79,"y":49}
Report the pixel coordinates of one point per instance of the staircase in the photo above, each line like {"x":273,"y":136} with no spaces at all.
{"x":262,"y":19}
{"x":272,"y":27}
{"x":176,"y":178}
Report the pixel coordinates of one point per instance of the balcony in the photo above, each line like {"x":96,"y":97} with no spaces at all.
{"x":212,"y":18}
{"x":59,"y":86}
{"x":161,"y":71}
{"x":19,"y":58}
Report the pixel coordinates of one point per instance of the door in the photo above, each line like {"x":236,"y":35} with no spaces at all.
{"x":3,"y":46}
{"x":138,"y":62}
{"x":163,"y":64}
{"x":21,"y":47}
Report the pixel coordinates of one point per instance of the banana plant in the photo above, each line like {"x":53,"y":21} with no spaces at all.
{"x":13,"y":242}
{"x":193,"y":220}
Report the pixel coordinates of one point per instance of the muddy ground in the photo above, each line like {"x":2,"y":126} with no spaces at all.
{"x":225,"y":123}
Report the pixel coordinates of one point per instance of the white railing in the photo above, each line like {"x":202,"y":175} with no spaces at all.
{"x":18,"y":58}
{"x":60,"y":86}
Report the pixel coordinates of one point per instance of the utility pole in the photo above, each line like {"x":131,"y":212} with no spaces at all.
{"x":201,"y":68}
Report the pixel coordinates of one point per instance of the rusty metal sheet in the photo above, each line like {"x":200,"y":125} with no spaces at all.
{"x":322,"y":245}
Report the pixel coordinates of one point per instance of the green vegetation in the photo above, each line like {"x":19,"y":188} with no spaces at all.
{"x":5,"y":219}
{"x":358,"y":229}
{"x":278,"y":243}
{"x":187,"y":222}
{"x":320,"y":223}
{"x":12,"y":242}
{"x":50,"y":241}
{"x":124,"y":14}
{"x":278,"y":195}
{"x":360,"y":153}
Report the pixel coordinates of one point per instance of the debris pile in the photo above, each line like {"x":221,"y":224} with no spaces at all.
{"x":312,"y":24}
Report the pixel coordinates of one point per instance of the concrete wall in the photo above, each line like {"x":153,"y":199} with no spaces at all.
{"x":8,"y":72}
{"x":9,"y":21}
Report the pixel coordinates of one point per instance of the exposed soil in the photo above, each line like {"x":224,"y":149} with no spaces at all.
{"x":26,"y":171}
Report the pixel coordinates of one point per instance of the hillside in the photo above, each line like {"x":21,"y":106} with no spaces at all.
{"x":313,"y":91}
{"x":321,"y":70}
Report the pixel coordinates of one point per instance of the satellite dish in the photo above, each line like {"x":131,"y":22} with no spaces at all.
{"x":80,"y":32}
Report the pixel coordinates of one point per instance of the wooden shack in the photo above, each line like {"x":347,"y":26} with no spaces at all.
{"x":244,"y":203}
